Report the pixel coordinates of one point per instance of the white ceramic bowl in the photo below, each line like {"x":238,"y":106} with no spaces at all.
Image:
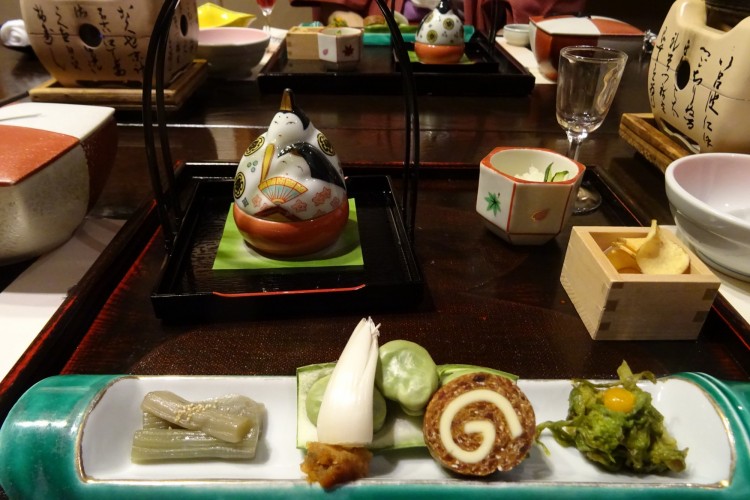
{"x":232,"y":52}
{"x":709,"y":195}
{"x":526,"y":212}
{"x":516,"y":34}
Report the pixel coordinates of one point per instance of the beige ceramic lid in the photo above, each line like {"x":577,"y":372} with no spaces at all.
{"x":587,"y":26}
{"x":78,"y":120}
{"x":24,"y":151}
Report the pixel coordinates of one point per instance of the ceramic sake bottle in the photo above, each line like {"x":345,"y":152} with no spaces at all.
{"x":440,"y":36}
{"x":289,"y":190}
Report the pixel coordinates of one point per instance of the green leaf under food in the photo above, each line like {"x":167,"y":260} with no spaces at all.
{"x":383,"y":28}
{"x":399,"y":430}
{"x":450,"y":371}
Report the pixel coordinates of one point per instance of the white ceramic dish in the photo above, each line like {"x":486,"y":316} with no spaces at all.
{"x":708,"y":196}
{"x":108,"y":430}
{"x":516,"y":34}
{"x":232,"y":52}
{"x":71,"y":434}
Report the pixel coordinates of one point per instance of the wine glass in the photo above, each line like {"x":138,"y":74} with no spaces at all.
{"x":266,"y":6}
{"x":587,"y":80}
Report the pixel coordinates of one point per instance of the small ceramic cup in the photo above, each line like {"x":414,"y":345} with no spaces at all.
{"x":516,"y":34}
{"x":517,"y":203}
{"x":340,"y":48}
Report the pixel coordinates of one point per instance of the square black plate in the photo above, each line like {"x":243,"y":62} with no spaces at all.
{"x":190,"y":289}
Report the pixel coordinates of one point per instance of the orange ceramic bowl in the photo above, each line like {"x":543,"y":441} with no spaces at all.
{"x":438,"y":54}
{"x":549,"y":35}
{"x":292,"y":238}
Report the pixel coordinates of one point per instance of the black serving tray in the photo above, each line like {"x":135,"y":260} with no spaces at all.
{"x":190,"y":289}
{"x":482,"y":61}
{"x":493,"y":74}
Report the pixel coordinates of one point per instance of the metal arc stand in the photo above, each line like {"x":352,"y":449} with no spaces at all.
{"x":161,"y":173}
{"x":161,"y":166}
{"x":411,"y":121}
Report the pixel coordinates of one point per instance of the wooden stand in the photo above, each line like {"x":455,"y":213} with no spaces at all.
{"x":124,"y":98}
{"x":641,"y":131}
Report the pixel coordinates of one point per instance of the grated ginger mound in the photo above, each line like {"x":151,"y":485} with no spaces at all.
{"x":330,"y":465}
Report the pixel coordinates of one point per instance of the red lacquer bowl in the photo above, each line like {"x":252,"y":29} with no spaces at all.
{"x":438,"y":54}
{"x":292,"y":238}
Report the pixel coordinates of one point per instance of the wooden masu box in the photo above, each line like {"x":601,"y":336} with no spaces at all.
{"x":615,"y":306}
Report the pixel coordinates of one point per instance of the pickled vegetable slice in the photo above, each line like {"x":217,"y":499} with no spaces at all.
{"x":197,"y":416}
{"x":151,"y":445}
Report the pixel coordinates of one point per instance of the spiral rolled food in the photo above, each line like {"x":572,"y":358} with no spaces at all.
{"x":479,"y":423}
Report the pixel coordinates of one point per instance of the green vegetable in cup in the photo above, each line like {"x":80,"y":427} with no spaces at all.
{"x":315,"y":398}
{"x":556,"y":177}
{"x":406,"y":374}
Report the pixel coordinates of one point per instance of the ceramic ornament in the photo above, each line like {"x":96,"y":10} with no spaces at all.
{"x":289,"y":189}
{"x":440,"y":36}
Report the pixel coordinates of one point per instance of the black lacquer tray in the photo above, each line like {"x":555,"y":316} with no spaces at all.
{"x":190,"y":289}
{"x":493,"y":73}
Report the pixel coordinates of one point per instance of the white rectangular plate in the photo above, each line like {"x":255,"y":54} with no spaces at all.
{"x":689,"y":414}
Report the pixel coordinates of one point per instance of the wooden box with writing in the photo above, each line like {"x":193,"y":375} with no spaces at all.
{"x":86,"y":43}
{"x":619,"y":306}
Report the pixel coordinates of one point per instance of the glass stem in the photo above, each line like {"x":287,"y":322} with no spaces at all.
{"x":574,"y":147}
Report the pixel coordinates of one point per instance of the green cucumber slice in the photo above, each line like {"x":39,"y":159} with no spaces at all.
{"x":548,"y":173}
{"x":559,"y":176}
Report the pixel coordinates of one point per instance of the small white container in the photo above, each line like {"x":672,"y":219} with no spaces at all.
{"x":340,"y":48}
{"x":526,"y":212}
{"x":516,"y":34}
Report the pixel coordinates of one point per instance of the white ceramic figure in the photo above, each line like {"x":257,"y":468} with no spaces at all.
{"x":440,"y":36}
{"x":289,"y":189}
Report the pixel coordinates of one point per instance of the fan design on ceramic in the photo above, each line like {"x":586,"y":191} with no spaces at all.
{"x":281,"y":189}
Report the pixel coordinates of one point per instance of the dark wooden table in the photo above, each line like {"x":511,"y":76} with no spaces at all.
{"x":486,"y":302}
